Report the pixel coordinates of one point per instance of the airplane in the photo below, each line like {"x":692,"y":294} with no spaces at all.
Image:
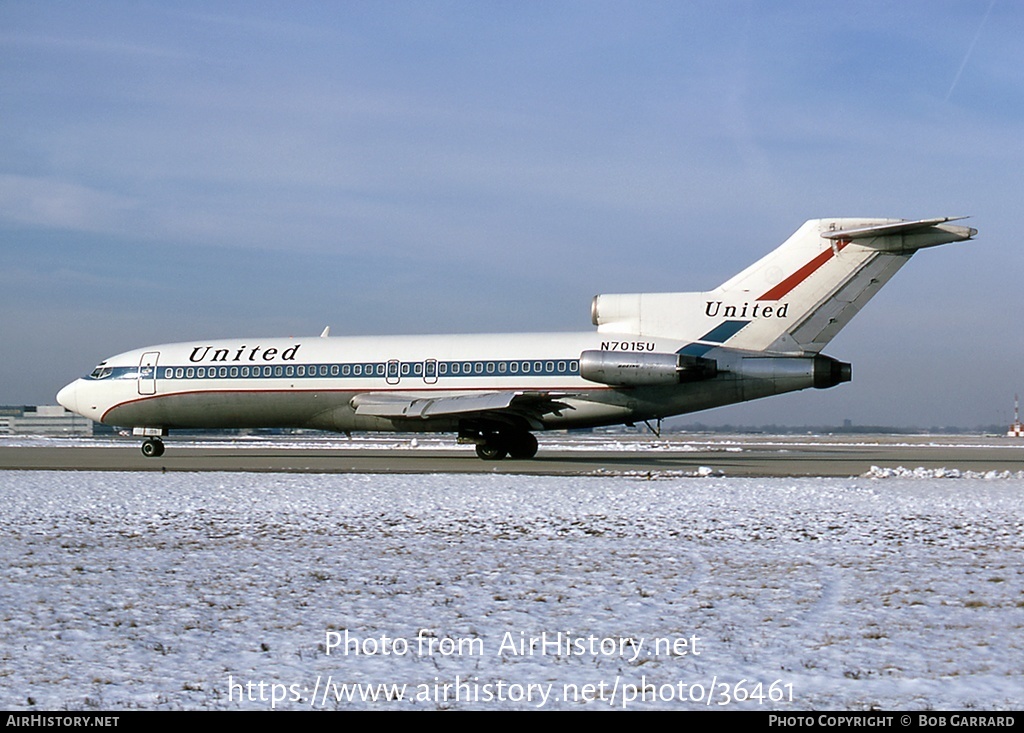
{"x":652,"y":356}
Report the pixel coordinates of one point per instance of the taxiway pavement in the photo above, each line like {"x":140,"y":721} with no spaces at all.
{"x":754,"y":457}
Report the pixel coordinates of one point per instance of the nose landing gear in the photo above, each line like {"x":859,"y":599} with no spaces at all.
{"x":152,"y":447}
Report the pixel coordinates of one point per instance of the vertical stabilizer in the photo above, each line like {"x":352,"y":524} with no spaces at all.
{"x":793,"y":300}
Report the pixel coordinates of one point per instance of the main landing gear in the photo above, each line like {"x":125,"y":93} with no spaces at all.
{"x":495,"y":445}
{"x":152,"y":447}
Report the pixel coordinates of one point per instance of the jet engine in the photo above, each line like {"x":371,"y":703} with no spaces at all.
{"x":628,"y":369}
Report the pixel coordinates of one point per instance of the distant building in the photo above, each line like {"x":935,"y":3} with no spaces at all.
{"x":42,"y":420}
{"x":1016,"y":429}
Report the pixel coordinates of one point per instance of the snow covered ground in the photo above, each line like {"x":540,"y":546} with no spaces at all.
{"x":252,"y":591}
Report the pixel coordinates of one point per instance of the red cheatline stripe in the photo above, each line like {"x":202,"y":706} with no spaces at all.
{"x":782,"y":289}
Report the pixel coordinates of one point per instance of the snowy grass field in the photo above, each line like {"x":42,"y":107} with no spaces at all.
{"x":250,"y":591}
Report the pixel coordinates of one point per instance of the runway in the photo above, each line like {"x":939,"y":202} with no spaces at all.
{"x":741,"y":456}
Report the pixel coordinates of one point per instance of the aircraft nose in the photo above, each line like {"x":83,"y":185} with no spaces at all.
{"x":68,"y":397}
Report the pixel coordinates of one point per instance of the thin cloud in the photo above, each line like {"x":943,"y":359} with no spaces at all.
{"x":54,"y":203}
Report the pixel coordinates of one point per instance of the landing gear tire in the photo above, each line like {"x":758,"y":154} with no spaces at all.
{"x":522,"y":445}
{"x":491,"y":451}
{"x":152,"y":448}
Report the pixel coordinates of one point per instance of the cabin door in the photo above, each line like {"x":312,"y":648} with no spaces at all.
{"x":393,"y":375}
{"x":147,"y":372}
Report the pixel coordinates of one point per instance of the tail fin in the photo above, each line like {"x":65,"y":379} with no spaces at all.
{"x":793,"y":300}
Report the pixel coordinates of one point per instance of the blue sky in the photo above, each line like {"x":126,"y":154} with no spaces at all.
{"x":174,"y":171}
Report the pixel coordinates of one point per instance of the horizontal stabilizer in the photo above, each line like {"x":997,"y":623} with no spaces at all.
{"x":920,"y":226}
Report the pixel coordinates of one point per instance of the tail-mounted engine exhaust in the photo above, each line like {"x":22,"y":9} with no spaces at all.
{"x":829,"y":372}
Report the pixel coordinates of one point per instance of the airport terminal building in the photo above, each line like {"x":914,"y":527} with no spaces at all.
{"x":42,"y":420}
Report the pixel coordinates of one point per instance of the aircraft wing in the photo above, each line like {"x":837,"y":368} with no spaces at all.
{"x":526,"y":404}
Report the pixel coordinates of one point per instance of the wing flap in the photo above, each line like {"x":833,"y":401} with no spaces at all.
{"x":383,"y":404}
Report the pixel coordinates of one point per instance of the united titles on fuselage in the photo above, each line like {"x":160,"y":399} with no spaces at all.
{"x":202,"y":353}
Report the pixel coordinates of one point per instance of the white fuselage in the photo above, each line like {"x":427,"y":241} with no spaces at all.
{"x":312,"y":382}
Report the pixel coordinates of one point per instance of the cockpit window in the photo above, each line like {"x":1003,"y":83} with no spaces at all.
{"x":101,"y":372}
